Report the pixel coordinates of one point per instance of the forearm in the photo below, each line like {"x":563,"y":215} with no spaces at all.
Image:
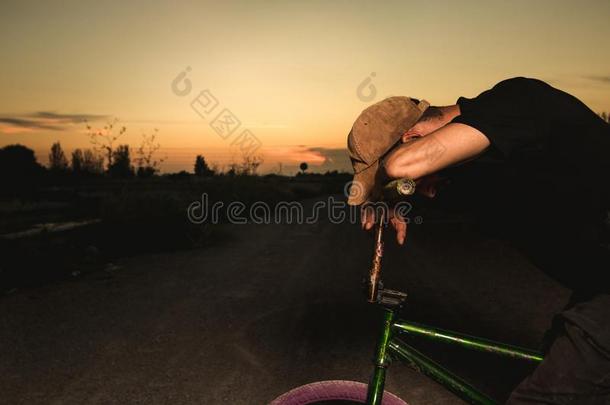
{"x":444,"y":147}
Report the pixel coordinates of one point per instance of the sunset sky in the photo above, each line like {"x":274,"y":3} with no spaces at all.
{"x":289,"y":71}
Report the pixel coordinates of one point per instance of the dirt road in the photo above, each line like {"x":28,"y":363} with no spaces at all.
{"x":272,"y":307}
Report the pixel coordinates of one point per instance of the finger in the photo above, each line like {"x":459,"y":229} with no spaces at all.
{"x":429,"y":190}
{"x":363,"y":216}
{"x":401,"y":230}
{"x":367,"y":218}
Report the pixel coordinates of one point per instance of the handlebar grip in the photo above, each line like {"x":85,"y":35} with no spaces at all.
{"x":397,"y":189}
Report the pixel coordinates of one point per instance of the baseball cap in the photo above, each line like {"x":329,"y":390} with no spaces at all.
{"x":376,"y":130}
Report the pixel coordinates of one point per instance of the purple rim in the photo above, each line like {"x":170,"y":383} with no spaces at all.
{"x":332,"y":390}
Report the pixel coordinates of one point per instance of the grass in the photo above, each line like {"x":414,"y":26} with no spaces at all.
{"x":135,"y":216}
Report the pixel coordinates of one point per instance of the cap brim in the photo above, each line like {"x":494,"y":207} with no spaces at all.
{"x":362,"y":185}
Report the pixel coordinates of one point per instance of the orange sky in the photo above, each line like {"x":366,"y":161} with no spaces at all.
{"x":288,"y":71}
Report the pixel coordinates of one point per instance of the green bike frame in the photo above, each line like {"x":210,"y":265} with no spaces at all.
{"x":390,"y":346}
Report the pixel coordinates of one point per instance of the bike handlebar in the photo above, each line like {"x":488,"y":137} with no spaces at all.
{"x":398,"y":188}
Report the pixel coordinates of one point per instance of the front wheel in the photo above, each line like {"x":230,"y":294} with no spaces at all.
{"x":335,"y":392}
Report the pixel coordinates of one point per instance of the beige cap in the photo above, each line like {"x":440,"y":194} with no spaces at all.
{"x":376,"y":130}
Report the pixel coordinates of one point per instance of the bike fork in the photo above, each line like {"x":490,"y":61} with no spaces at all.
{"x":381,"y":361}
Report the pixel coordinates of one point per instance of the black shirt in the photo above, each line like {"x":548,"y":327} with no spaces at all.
{"x":543,"y":183}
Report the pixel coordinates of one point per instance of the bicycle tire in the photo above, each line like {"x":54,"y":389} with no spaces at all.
{"x":334,"y":390}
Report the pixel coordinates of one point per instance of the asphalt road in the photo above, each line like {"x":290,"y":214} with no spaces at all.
{"x":269,"y":308}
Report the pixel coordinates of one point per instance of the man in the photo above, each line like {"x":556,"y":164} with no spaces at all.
{"x":544,"y":187}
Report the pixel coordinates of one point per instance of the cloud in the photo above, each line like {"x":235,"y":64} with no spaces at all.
{"x":319,"y":159}
{"x":44,"y":120}
{"x":28,"y":124}
{"x":602,"y":79}
{"x":331,"y":154}
{"x":332,"y":158}
{"x":73,"y":118}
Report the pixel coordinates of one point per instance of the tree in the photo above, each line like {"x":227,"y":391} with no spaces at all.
{"x":103,"y":141}
{"x":77,"y":161}
{"x":92,"y":162}
{"x":19,"y":169}
{"x":57,"y":159}
{"x":248,"y":167}
{"x":303,"y":166}
{"x":18,"y":160}
{"x":250,"y":164}
{"x":201,"y":167}
{"x":121,"y":163}
{"x":233,"y":169}
{"x":86,"y":162}
{"x":147,"y":164}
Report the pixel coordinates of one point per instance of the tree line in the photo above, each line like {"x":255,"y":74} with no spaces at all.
{"x":107,"y":156}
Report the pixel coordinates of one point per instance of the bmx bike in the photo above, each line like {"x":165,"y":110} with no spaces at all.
{"x":392,"y":346}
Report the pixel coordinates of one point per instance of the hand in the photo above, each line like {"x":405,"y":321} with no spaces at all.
{"x":367,"y":217}
{"x":427,"y":185}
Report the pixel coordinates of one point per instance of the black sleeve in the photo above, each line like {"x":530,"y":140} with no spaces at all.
{"x":511,"y":114}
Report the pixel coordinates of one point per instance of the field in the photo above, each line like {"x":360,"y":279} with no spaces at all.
{"x":70,"y":226}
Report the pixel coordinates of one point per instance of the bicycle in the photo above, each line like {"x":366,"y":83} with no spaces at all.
{"x":391,"y":345}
